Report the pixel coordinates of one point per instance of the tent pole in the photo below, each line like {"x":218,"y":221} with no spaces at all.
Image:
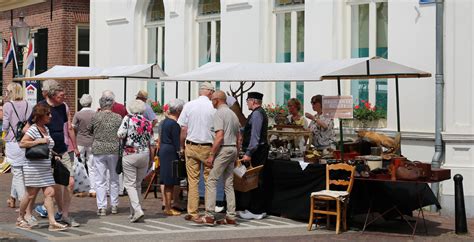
{"x":125,"y":91}
{"x":399,"y":152}
{"x":398,"y":103}
{"x":176,"y":89}
{"x":189,"y":91}
{"x":341,"y":142}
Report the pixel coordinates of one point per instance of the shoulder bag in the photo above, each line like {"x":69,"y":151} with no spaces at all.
{"x":119,"y":167}
{"x":38,"y":152}
{"x":18,"y":133}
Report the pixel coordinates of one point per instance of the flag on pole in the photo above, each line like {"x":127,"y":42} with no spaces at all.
{"x":30,"y":57}
{"x":10,"y":52}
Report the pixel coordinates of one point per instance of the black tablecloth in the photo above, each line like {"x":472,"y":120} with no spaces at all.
{"x":288,"y":189}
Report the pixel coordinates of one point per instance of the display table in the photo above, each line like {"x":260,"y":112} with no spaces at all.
{"x":288,"y":188}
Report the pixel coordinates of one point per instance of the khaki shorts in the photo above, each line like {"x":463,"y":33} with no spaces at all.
{"x":68,"y":162}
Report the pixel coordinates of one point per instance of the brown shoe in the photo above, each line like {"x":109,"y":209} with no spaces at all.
{"x":205,"y":220}
{"x":190,"y":217}
{"x":228,"y":221}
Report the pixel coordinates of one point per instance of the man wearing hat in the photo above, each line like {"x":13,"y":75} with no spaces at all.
{"x":196,"y":121}
{"x":255,"y":146}
{"x":148,"y":114}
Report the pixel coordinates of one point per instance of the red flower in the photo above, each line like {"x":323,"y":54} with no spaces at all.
{"x":356,"y":107}
{"x":363,"y":101}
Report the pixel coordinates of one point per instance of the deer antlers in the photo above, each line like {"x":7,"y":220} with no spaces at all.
{"x":240,"y":91}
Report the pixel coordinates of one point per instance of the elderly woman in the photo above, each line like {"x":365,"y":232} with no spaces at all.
{"x":321,"y":126}
{"x":84,"y":139}
{"x":37,"y":173}
{"x":169,"y":149}
{"x":137,"y":132}
{"x":295,"y":116}
{"x":105,"y":148}
{"x":16,"y":110}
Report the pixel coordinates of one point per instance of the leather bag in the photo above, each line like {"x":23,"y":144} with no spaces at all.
{"x":408,"y":172}
{"x":60,"y":172}
{"x":38,"y":152}
{"x":179,"y":167}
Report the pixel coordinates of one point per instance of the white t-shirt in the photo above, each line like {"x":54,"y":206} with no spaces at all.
{"x":198,"y":115}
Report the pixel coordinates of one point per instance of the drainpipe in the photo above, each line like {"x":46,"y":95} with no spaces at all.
{"x":438,"y":155}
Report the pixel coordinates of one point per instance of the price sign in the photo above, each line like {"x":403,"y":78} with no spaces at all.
{"x":338,"y":106}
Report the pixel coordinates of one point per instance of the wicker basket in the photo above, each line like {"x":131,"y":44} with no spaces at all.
{"x":249,"y":180}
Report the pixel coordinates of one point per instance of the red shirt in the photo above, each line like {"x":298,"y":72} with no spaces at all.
{"x":120,"y":109}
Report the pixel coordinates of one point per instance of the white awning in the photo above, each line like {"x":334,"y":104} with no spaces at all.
{"x":360,"y":68}
{"x":146,"y":71}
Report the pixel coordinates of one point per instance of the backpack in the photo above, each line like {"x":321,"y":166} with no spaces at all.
{"x":18,"y":133}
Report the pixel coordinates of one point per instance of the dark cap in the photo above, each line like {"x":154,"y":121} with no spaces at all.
{"x":255,"y":95}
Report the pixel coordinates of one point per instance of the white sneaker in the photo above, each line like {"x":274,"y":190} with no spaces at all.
{"x":219,"y":209}
{"x":246,"y":215}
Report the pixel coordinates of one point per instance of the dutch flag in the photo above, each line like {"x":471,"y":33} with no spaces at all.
{"x":10,"y":52}
{"x":30,"y":58}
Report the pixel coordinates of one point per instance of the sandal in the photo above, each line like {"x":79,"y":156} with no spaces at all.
{"x":23,"y":224}
{"x":11,"y":202}
{"x":57,"y":227}
{"x":172,"y":212}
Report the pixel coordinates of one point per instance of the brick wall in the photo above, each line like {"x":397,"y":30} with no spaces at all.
{"x":61,"y":25}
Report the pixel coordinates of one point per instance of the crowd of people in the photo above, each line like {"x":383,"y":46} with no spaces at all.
{"x":118,"y":147}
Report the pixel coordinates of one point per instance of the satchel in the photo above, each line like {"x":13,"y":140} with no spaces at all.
{"x":38,"y":152}
{"x":179,"y":168}
{"x":60,"y":172}
{"x":408,"y":172}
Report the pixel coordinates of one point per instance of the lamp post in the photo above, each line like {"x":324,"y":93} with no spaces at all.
{"x":21,"y":36}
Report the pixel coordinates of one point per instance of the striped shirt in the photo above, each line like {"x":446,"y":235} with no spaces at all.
{"x":38,"y":173}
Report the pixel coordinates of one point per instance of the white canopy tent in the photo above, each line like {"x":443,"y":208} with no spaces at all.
{"x":359,"y":68}
{"x":144,"y":72}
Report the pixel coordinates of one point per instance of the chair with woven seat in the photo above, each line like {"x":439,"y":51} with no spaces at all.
{"x":321,"y":201}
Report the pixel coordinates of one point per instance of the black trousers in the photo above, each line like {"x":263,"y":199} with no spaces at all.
{"x":254,"y":200}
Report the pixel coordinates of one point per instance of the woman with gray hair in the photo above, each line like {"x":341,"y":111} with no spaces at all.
{"x":84,"y":139}
{"x":105,"y":148}
{"x":137,"y":133}
{"x":169,"y":149}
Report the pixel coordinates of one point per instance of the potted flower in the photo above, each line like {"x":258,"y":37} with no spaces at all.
{"x":158,"y":109}
{"x":276,"y":113}
{"x":367,"y":115}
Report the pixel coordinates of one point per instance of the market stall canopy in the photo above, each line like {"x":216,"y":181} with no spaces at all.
{"x":146,"y":71}
{"x":358,"y":68}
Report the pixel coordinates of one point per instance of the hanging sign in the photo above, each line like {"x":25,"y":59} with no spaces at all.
{"x":338,"y":106}
{"x":31,"y":92}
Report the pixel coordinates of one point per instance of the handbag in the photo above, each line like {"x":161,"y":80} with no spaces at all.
{"x":60,"y":172}
{"x":38,"y":152}
{"x":179,"y":167}
{"x":119,"y":166}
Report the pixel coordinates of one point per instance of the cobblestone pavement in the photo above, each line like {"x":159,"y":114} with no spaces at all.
{"x":156,"y":226}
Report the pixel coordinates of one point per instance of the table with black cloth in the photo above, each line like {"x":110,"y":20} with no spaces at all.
{"x":288,"y":189}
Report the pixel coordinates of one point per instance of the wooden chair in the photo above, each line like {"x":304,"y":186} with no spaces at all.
{"x":154,"y":179}
{"x":321,"y":200}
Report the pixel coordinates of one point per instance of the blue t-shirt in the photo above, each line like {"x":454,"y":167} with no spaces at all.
{"x":56,"y":126}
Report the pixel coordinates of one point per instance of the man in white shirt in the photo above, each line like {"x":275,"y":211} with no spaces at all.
{"x":196,"y":121}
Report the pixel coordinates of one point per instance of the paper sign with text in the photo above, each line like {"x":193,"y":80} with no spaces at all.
{"x":338,"y":106}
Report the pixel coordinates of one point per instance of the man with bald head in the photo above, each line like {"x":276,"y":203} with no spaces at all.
{"x":224,"y":153}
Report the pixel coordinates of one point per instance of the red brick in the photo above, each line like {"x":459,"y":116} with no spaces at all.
{"x":67,"y":14}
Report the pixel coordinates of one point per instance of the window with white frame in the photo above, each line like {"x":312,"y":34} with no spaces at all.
{"x":289,"y":45}
{"x":369,"y":28}
{"x":155,"y":25}
{"x":82,"y":59}
{"x":209,"y":20}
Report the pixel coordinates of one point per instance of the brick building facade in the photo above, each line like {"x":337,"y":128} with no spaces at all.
{"x":55,"y":27}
